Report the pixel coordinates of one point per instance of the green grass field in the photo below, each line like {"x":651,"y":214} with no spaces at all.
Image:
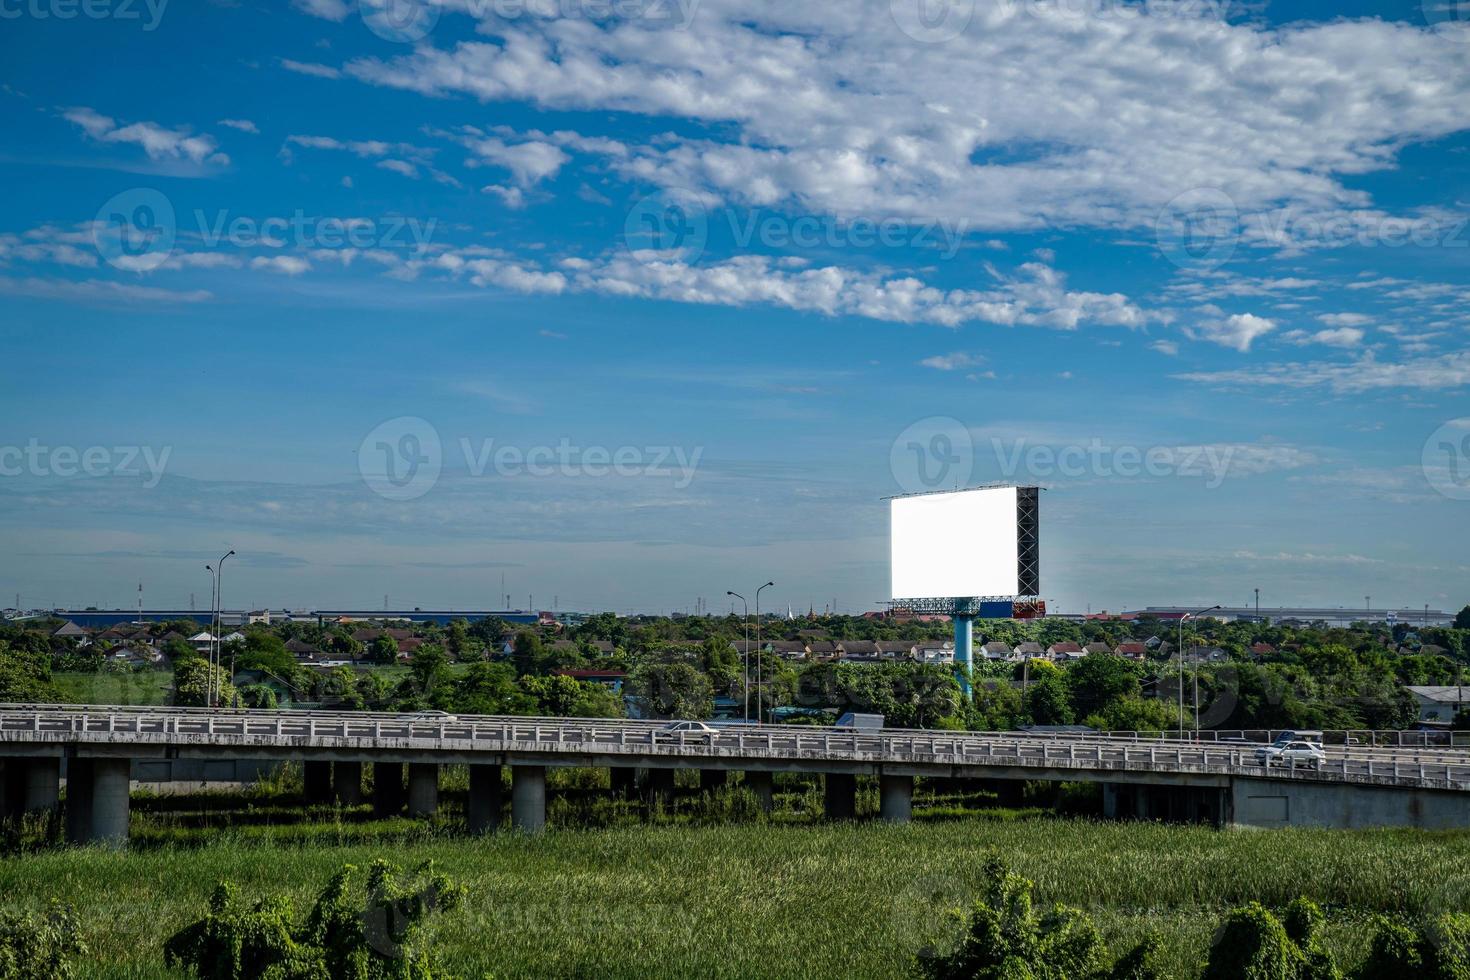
{"x":152,"y":687}
{"x":755,"y":899}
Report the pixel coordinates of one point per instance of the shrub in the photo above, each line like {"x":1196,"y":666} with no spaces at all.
{"x":381,"y":938}
{"x":1253,"y":944}
{"x":39,"y":947}
{"x":1440,"y":952}
{"x":1006,"y":940}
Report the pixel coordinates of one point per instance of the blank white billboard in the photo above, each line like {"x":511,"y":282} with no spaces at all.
{"x":955,"y":545}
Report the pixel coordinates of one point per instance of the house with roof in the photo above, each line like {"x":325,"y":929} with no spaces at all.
{"x":71,"y":631}
{"x":1439,"y":703}
{"x":822,"y":649}
{"x":935,"y":653}
{"x":1065,"y":650}
{"x":1029,"y":650}
{"x":996,"y":650}
{"x":859,"y":651}
{"x":895,"y":650}
{"x":610,"y":679}
{"x":1132,"y":649}
{"x":1261,"y":649}
{"x":1096,"y":646}
{"x":786,"y":649}
{"x":302,"y":650}
{"x":202,"y":640}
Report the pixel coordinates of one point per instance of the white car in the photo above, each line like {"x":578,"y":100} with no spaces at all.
{"x":1296,"y":752}
{"x":686,"y":730}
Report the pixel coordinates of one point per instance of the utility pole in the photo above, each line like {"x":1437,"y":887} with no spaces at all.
{"x":1258,"y":605}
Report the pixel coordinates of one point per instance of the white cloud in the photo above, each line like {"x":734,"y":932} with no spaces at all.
{"x":159,"y":142}
{"x":1344,"y":337}
{"x":529,"y":163}
{"x":333,"y":10}
{"x":400,"y":167}
{"x":952,"y":362}
{"x":831,"y":108}
{"x":289,"y":265}
{"x":1365,"y":374}
{"x":243,"y":125}
{"x":1237,"y":332}
{"x":1345,"y":319}
{"x":1167,"y":347}
{"x":310,"y":68}
{"x":98,"y":292}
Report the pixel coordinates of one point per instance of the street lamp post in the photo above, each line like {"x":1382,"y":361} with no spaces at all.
{"x":745,"y":688}
{"x":219,"y":601}
{"x":759,"y":694}
{"x":1196,"y":674}
{"x":213,"y":601}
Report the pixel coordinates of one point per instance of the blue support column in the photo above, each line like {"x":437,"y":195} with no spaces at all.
{"x":963,"y":655}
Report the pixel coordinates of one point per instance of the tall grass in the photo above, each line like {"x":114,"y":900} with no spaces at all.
{"x":762,"y":898}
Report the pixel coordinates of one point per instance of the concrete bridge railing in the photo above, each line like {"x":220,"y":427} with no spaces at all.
{"x":93,"y":740}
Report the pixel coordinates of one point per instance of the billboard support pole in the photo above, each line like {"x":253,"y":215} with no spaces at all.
{"x":963,"y":636}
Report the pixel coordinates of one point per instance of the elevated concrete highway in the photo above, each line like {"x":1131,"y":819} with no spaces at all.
{"x":1358,"y":785}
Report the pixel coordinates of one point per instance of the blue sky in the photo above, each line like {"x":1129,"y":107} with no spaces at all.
{"x":635,"y":303}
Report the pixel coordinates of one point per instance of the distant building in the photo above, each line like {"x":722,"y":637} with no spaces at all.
{"x":1440,"y":703}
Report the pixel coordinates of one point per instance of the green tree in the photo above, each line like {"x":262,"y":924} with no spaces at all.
{"x":384,"y":651}
{"x":430,"y":668}
{"x":1462,"y":619}
{"x":25,"y":676}
{"x":1099,"y":679}
{"x":381,"y":936}
{"x":672,"y":690}
{"x":195,"y":679}
{"x":1047,"y":700}
{"x":1006,"y":939}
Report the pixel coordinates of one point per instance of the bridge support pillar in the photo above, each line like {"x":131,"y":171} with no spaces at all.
{"x":42,"y":784}
{"x":760,"y":783}
{"x":661,"y":786}
{"x":482,"y":811}
{"x":80,"y":774}
{"x":528,"y":798}
{"x":387,"y":789}
{"x":841,"y":796}
{"x":423,"y":789}
{"x":896,"y":798}
{"x":316,"y":781}
{"x":12,"y":788}
{"x":347,"y":782}
{"x":110,"y":801}
{"x":623,"y":780}
{"x":712,"y":779}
